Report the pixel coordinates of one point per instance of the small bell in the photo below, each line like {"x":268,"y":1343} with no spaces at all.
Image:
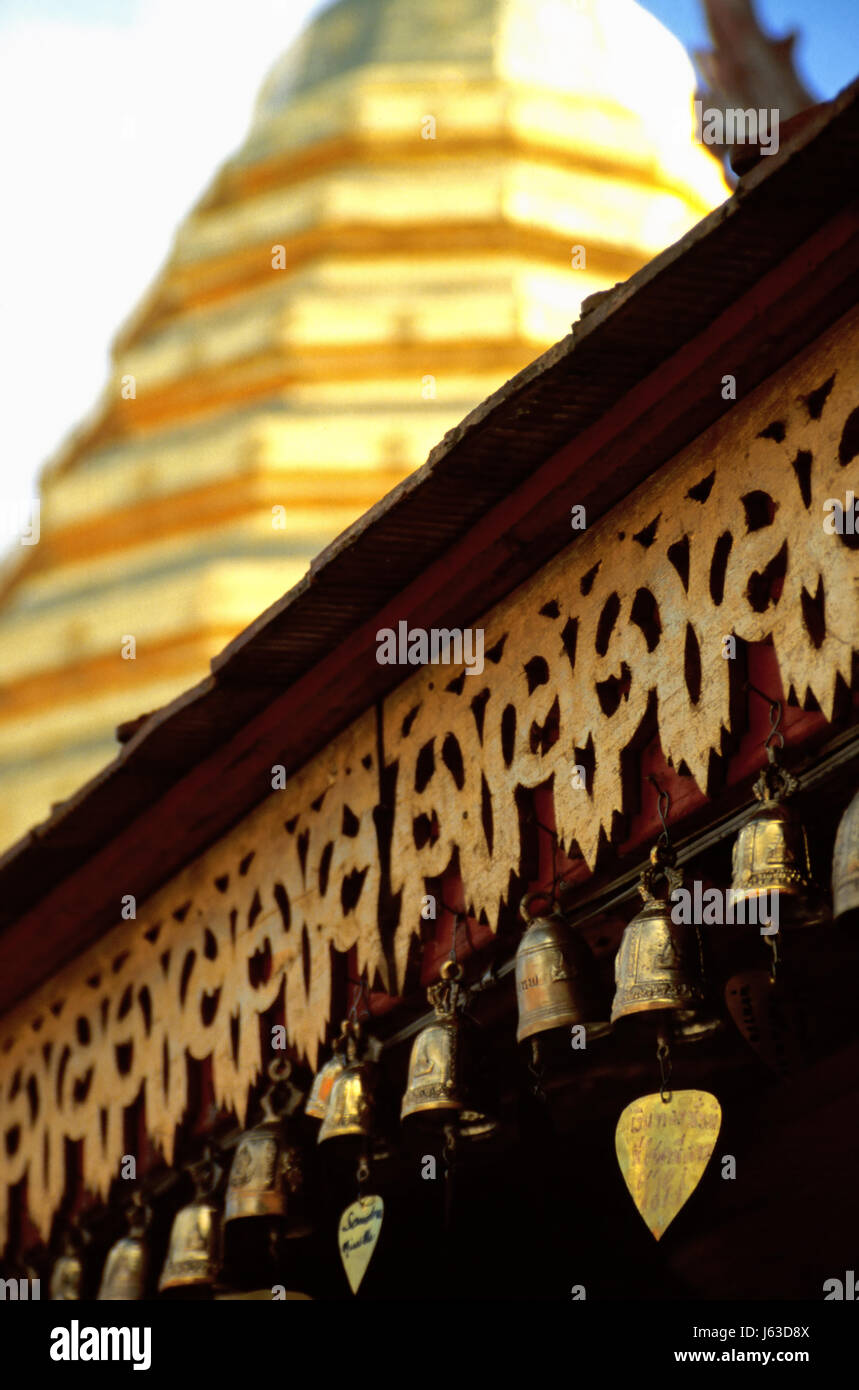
{"x":659,"y":967}
{"x":351,"y":1102}
{"x":194,"y":1254}
{"x":845,"y":866}
{"x":124,"y":1274}
{"x":68,"y":1272}
{"x":67,"y":1278}
{"x":266,"y":1168}
{"x":320,"y":1091}
{"x":770,"y":863}
{"x":438,"y":1084}
{"x":556,"y":978}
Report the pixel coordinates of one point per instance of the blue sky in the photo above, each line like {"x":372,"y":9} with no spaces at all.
{"x":829,"y":29}
{"x":114,"y":115}
{"x":827,"y":50}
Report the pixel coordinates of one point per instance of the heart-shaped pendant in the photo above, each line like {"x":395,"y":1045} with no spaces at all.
{"x":663,"y":1149}
{"x":766,"y":1018}
{"x":357,"y":1235}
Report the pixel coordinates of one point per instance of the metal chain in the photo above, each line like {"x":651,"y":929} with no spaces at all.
{"x":663,"y":1056}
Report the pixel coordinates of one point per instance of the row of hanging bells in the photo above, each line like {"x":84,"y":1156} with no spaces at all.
{"x":440,"y":1075}
{"x":263,"y":1191}
{"x":659,"y":971}
{"x":664,"y":1142}
{"x":660,"y":966}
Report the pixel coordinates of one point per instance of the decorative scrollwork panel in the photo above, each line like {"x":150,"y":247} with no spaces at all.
{"x":727,"y":541}
{"x":191,"y":977}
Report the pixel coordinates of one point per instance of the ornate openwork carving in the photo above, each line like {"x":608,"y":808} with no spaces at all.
{"x":192,"y":975}
{"x":727,"y":539}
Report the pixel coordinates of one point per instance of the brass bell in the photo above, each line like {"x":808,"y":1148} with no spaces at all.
{"x":351,"y":1102}
{"x":320,"y":1091}
{"x":124,"y":1275}
{"x":659,"y":967}
{"x":194,"y":1254}
{"x":556,"y":978}
{"x":436,"y":1083}
{"x":266,"y":1168}
{"x":845,"y":866}
{"x":67,"y":1274}
{"x":771,"y":872}
{"x":67,"y":1278}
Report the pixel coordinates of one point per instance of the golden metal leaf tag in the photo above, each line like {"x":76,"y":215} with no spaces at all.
{"x":766,"y":1019}
{"x":358,"y":1232}
{"x":663,"y":1149}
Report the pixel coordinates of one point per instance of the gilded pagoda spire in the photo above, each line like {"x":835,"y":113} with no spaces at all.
{"x":424,"y":199}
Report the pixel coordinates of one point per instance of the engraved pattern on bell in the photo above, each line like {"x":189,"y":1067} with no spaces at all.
{"x":434,"y":1070}
{"x":440,"y":1065}
{"x":845,"y":864}
{"x":124,"y":1275}
{"x":194,"y":1255}
{"x":256,"y":1186}
{"x":658,"y":965}
{"x":771,"y":852}
{"x":770,"y":859}
{"x":556,"y":980}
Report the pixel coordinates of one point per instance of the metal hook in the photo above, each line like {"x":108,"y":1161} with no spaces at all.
{"x":279,"y":1069}
{"x":457,"y":917}
{"x":537,"y":1069}
{"x":663,"y":806}
{"x":663,"y":1056}
{"x":364,"y":994}
{"x":775,"y":716}
{"x":772,"y":942}
{"x":775,"y":721}
{"x":460,"y":918}
{"x":550,"y":830}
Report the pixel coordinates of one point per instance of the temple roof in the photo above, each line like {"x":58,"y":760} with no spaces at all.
{"x":625,"y":385}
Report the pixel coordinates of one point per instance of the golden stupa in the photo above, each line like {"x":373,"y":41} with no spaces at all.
{"x":425,"y":196}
